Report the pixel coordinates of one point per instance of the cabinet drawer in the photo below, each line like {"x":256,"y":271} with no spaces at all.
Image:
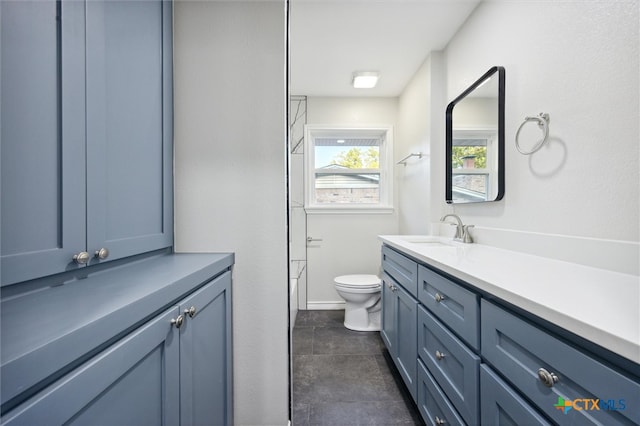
{"x":501,"y":405}
{"x":586,"y":391}
{"x":402,"y":269}
{"x":432,"y":404}
{"x":455,"y":306}
{"x":451,"y":363}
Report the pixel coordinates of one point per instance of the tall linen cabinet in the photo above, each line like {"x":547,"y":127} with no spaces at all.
{"x":101,"y":322}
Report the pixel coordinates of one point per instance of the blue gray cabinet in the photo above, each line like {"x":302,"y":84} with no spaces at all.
{"x":452,"y":364}
{"x":389,"y":326}
{"x":400,"y":314}
{"x":134,"y":382}
{"x":479,"y":362}
{"x":502,"y":406}
{"x":43,"y":179}
{"x":206,"y":356}
{"x":152,"y":346}
{"x":86,"y":133}
{"x":434,"y":406}
{"x":549,"y":372}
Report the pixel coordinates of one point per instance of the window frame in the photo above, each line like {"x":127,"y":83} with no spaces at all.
{"x":385,"y":169}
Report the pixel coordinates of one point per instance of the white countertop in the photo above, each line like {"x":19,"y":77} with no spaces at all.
{"x":599,"y":305}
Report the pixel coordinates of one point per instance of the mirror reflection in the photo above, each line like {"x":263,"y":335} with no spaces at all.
{"x":475,"y":141}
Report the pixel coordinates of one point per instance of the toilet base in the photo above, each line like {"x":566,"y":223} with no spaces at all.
{"x":362,"y":319}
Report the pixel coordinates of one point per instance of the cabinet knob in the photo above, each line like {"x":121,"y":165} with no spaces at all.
{"x":81,"y":258}
{"x":439,"y":355}
{"x":177,"y":321}
{"x":191,"y":311}
{"x":102,"y":254}
{"x":440,"y":421}
{"x":439,"y":298}
{"x":548,"y":379}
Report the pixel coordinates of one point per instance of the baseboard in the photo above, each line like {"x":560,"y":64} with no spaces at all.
{"x":325,"y":306}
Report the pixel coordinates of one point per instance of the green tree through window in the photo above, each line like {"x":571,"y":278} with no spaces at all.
{"x":357,"y":158}
{"x":459,"y":152}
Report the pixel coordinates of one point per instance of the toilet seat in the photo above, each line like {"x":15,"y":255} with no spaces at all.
{"x":359,"y":281}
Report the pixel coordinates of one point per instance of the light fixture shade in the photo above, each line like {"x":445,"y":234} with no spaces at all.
{"x":365,"y":79}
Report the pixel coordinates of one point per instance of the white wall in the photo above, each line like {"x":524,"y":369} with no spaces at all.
{"x":350,"y":243}
{"x":230,"y":163}
{"x":419,"y":110}
{"x":577,"y":61}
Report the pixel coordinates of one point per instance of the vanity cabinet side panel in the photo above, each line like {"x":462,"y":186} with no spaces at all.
{"x":136,"y":381}
{"x":43,"y":173}
{"x":206,"y":371}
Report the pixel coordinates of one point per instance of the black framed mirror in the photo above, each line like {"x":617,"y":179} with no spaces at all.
{"x":475,"y":141}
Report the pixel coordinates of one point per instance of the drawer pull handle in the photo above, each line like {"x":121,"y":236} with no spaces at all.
{"x":191,"y":311}
{"x":439,"y":297}
{"x":439,"y":355}
{"x":177,"y":321}
{"x":440,"y":421}
{"x":549,"y":379}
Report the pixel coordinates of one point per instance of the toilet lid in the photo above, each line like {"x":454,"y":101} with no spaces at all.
{"x":358,"y":280}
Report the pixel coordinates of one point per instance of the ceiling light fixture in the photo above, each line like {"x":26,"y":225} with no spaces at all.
{"x":365,"y":79}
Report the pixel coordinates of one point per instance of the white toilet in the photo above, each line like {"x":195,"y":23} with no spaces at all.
{"x":361,"y":293}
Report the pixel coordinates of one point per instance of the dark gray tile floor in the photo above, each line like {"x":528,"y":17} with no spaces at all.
{"x":344,"y":377}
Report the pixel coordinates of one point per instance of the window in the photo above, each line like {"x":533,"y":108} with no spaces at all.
{"x":473,"y":164}
{"x":348,"y":169}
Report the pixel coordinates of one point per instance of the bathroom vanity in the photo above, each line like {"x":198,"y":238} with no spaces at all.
{"x":482,"y":335}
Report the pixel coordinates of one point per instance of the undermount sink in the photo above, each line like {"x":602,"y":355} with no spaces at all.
{"x":427,"y":240}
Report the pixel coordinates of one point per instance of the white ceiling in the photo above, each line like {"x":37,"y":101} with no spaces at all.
{"x":330,"y":39}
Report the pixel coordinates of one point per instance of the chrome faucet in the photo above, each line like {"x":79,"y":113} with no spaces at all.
{"x":462,"y":231}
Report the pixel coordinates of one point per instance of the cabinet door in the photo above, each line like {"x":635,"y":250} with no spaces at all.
{"x":129,"y":145}
{"x":407,"y":335}
{"x":389,"y":302}
{"x":42,"y":134}
{"x":135,"y":382}
{"x":205,"y":356}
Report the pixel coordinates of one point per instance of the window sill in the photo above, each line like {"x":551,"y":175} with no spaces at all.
{"x":348,"y":209}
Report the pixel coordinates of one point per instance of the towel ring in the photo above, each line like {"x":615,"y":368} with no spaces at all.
{"x":543,"y":123}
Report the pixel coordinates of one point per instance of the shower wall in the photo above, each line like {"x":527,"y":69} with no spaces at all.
{"x":297,"y":217}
